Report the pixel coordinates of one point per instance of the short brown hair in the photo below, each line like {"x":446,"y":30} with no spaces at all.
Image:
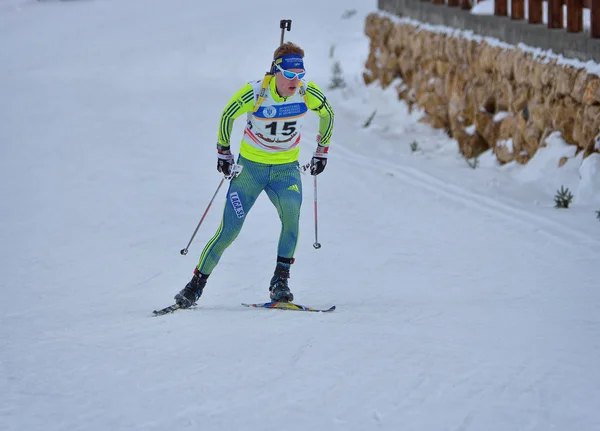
{"x":288,"y":48}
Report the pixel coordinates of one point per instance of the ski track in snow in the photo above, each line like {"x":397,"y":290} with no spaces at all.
{"x":563,"y":234}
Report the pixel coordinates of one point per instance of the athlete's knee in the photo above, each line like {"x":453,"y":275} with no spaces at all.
{"x":290,"y":218}
{"x":290,"y":228}
{"x":226,"y":239}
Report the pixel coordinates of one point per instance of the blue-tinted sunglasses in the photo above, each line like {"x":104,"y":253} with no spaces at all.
{"x":290,"y":75}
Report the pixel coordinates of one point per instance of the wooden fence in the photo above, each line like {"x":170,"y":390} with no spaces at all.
{"x":535,"y":7}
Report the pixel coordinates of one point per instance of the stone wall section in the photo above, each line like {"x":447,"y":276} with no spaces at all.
{"x":506,"y":93}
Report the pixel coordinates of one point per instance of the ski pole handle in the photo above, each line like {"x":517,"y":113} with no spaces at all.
{"x":304,"y":168}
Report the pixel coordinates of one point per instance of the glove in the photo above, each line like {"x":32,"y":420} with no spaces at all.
{"x":224,"y":160}
{"x":319,"y":161}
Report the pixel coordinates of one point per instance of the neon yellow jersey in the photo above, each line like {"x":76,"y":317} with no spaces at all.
{"x":273,"y":131}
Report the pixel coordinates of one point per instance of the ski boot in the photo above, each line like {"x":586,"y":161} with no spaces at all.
{"x":192,"y":291}
{"x":279,"y":289}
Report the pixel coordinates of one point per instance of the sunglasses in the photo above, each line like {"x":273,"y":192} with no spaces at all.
{"x":290,"y":75}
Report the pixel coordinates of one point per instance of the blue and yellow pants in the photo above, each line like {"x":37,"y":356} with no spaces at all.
{"x":283,"y":186}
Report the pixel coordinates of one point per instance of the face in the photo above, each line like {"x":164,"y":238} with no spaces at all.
{"x":287,"y":87}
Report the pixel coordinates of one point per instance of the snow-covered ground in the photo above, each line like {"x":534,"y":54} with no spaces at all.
{"x":465,"y":300}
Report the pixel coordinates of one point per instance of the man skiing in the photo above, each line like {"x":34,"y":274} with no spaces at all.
{"x":269,"y":151}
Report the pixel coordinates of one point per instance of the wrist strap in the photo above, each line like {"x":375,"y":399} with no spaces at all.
{"x":222,"y":148}
{"x":322,"y":151}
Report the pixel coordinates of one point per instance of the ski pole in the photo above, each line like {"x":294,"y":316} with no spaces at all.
{"x":317,"y":244}
{"x":185,"y":250}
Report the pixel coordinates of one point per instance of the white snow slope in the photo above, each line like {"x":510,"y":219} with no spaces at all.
{"x":465,"y":300}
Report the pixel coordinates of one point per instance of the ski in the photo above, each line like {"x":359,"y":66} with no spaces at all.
{"x":166,"y":310}
{"x":289,"y":306}
{"x":275,"y":305}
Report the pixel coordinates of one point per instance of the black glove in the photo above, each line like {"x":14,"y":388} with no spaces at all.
{"x":319,"y":161}
{"x":224,"y":160}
